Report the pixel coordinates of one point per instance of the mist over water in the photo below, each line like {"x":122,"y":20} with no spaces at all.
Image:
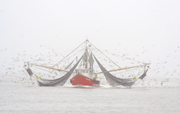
{"x":44,"y":32}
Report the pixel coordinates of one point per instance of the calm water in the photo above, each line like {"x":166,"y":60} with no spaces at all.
{"x":33,"y":99}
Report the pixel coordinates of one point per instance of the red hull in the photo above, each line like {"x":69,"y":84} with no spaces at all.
{"x":85,"y":81}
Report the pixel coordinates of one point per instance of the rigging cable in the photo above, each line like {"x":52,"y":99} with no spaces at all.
{"x":69,"y":54}
{"x":105,"y":55}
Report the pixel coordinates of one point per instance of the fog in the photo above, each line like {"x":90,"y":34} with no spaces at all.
{"x":149,"y":29}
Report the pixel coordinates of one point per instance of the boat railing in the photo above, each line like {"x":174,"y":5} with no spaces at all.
{"x":83,"y":71}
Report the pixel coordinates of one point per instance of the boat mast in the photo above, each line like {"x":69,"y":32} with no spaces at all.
{"x":87,"y":55}
{"x":87,"y":60}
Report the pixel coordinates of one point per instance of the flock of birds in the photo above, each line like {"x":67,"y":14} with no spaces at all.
{"x":161,"y":69}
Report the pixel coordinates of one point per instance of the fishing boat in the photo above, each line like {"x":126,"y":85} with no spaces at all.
{"x":82,"y":72}
{"x":84,"y":75}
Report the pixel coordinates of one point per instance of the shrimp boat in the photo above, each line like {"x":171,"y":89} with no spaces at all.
{"x":83,"y":72}
{"x":84,"y":76}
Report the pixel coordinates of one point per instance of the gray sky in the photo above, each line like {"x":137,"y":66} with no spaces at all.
{"x":137,"y":25}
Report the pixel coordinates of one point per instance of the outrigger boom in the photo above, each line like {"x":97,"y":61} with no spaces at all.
{"x":94,"y":73}
{"x":121,"y":69}
{"x":47,"y":67}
